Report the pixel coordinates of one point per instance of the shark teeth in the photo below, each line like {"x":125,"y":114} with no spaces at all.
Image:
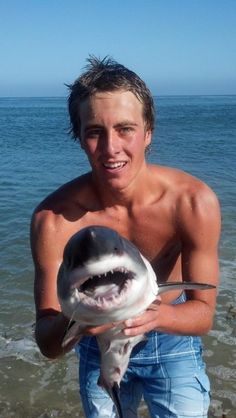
{"x":122,"y":270}
{"x":104,"y":303}
{"x":103,"y":290}
{"x":107,"y":274}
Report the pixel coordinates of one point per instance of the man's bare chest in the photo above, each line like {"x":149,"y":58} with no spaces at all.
{"x":153,"y":233}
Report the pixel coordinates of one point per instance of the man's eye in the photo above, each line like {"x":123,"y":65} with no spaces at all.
{"x":126,"y":129}
{"x":93,"y":133}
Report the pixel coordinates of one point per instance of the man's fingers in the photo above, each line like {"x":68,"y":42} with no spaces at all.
{"x":139,"y":329}
{"x":134,"y":326}
{"x":141,"y":320}
{"x":98,"y":329}
{"x":155,"y":304}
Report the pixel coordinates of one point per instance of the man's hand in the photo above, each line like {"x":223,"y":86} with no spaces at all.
{"x":135,"y":326}
{"x":76,"y":331}
{"x":147,"y":321}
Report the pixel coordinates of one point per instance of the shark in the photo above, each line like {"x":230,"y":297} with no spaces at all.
{"x":104,"y":278}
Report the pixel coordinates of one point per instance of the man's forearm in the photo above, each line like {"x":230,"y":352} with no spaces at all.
{"x":49,"y":334}
{"x":193,"y":317}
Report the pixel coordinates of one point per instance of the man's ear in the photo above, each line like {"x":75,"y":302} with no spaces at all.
{"x":148,"y":138}
{"x":81,"y":143}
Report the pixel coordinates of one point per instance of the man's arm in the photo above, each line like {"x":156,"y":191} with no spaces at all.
{"x":48,"y":239}
{"x":46,"y":248}
{"x":198,"y":226}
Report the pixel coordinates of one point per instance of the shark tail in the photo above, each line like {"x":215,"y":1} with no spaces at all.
{"x":114,"y":393}
{"x":168,"y":286}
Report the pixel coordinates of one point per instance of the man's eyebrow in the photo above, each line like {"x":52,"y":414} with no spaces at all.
{"x":93,"y":126}
{"x":126,"y":123}
{"x":117,"y":125}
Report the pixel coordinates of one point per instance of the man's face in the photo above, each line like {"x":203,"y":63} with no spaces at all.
{"x":114,"y":137}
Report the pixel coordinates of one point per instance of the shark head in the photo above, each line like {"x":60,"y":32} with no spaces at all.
{"x":102,"y":277}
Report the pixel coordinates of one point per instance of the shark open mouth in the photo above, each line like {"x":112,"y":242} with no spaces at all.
{"x":107,"y":287}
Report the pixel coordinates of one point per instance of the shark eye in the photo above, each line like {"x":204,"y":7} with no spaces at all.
{"x":117,"y":250}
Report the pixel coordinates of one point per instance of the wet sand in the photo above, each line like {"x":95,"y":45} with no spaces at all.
{"x":34,"y":387}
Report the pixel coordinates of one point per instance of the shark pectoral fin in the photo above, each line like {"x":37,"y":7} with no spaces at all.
{"x":104,"y":343}
{"x":72,"y":336}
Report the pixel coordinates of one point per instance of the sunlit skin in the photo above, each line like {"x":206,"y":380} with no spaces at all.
{"x":172,"y":217}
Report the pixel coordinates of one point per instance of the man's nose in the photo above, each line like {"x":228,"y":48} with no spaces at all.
{"x":111,"y":143}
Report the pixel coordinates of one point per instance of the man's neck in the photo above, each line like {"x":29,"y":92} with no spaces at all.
{"x":138,"y":192}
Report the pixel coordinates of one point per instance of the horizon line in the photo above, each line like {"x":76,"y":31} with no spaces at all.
{"x":154,"y":95}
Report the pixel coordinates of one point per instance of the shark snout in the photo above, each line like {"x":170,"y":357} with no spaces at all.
{"x":91,"y":244}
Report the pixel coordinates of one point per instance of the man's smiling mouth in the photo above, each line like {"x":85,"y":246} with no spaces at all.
{"x":112,"y":166}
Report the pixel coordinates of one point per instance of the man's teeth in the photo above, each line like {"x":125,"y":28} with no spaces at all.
{"x":115,"y":165}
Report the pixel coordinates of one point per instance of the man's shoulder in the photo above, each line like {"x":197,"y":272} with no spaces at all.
{"x":184,"y":191}
{"x":64,"y":202}
{"x":196,"y":205}
{"x":67,"y":193}
{"x":181,"y":182}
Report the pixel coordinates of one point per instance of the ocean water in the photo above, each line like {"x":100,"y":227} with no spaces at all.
{"x":194,"y":133}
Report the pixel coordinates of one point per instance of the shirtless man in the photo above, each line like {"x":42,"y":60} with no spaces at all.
{"x":174,"y":220}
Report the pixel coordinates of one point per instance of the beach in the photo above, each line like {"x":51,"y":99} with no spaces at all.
{"x":196,"y":134}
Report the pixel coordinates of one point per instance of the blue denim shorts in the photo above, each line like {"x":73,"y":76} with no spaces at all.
{"x":167,"y":371}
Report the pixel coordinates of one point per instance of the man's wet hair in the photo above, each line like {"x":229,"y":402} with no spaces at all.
{"x":105,"y":75}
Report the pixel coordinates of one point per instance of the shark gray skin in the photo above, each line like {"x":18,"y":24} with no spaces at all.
{"x":104,"y":278}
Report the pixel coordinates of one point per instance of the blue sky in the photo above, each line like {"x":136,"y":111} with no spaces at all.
{"x":177,"y":46}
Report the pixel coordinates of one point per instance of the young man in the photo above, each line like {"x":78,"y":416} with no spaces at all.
{"x":174,"y":220}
